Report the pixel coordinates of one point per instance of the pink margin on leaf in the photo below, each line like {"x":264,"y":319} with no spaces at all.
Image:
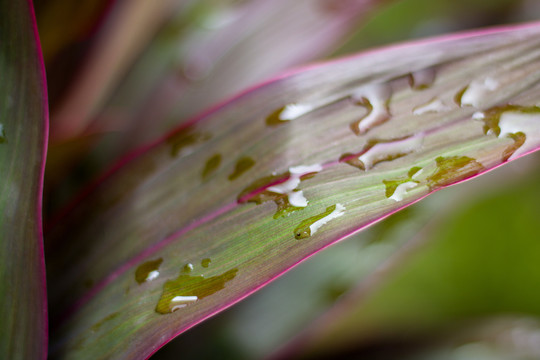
{"x":343,"y":237}
{"x":141,"y":151}
{"x":39,"y":208}
{"x":126,"y":159}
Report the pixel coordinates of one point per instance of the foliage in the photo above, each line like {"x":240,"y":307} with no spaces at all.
{"x":200,"y":210}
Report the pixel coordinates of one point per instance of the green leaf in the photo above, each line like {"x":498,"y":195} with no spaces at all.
{"x":344,"y":129}
{"x":471,"y":264}
{"x":23,"y":134}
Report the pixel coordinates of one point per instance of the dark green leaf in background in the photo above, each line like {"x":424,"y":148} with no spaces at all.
{"x":23,"y":131}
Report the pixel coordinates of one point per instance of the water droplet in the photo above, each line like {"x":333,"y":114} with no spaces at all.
{"x":242,"y":165}
{"x":187,"y":289}
{"x":288,"y":113}
{"x":517,"y":122}
{"x":397,"y":188}
{"x":476,"y":92}
{"x":205,"y":262}
{"x":2,"y":134}
{"x":519,"y":139}
{"x":187,"y":268}
{"x":311,"y":225}
{"x":282,"y":189}
{"x":433,"y":106}
{"x":453,"y":169}
{"x":459,"y":95}
{"x":98,"y":325}
{"x":376,"y":151}
{"x":148,"y":271}
{"x":422,"y":79}
{"x":212,"y":164}
{"x":183,"y":140}
{"x":375,"y":98}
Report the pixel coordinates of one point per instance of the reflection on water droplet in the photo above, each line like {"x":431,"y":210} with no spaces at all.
{"x":375,"y":98}
{"x":397,"y":188}
{"x":422,"y":79}
{"x":282,"y":189}
{"x":520,"y":123}
{"x":205,"y":262}
{"x":183,"y":140}
{"x":288,"y":113}
{"x":376,"y":151}
{"x":187,"y":268}
{"x":98,"y":325}
{"x":453,"y":169}
{"x":148,"y":271}
{"x":2,"y":134}
{"x":242,"y":165}
{"x":187,"y":289}
{"x":212,"y":164}
{"x":310,"y":226}
{"x":433,"y":106}
{"x":477,"y":92}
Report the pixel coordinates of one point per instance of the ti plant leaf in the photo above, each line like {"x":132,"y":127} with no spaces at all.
{"x":23,"y":133}
{"x":471,"y":264}
{"x":205,"y":50}
{"x":325,"y":144}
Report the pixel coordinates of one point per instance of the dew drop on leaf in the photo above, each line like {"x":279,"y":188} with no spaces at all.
{"x":187,"y":289}
{"x":242,"y":165}
{"x":187,"y":268}
{"x":476,"y":92}
{"x":519,"y":139}
{"x":287,"y":113}
{"x":281,"y":189}
{"x":375,"y":98}
{"x":311,"y":225}
{"x":422,"y":79}
{"x":377,"y":151}
{"x":148,"y":271}
{"x":212,"y":164}
{"x":433,"y":106}
{"x":397,"y":188}
{"x":514,"y":122}
{"x":459,"y":95}
{"x":452,"y":169}
{"x":182,"y":140}
{"x":205,"y":262}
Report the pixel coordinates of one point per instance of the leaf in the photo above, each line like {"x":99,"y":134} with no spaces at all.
{"x":127,"y":29}
{"x":205,"y":51}
{"x":23,"y":134}
{"x":342,"y":129}
{"x":474,"y":263}
{"x":264,"y":322}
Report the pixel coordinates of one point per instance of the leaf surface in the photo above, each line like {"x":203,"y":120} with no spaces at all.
{"x":334,"y":148}
{"x":23,"y":133}
{"x":474,"y":263}
{"x":204,"y":51}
